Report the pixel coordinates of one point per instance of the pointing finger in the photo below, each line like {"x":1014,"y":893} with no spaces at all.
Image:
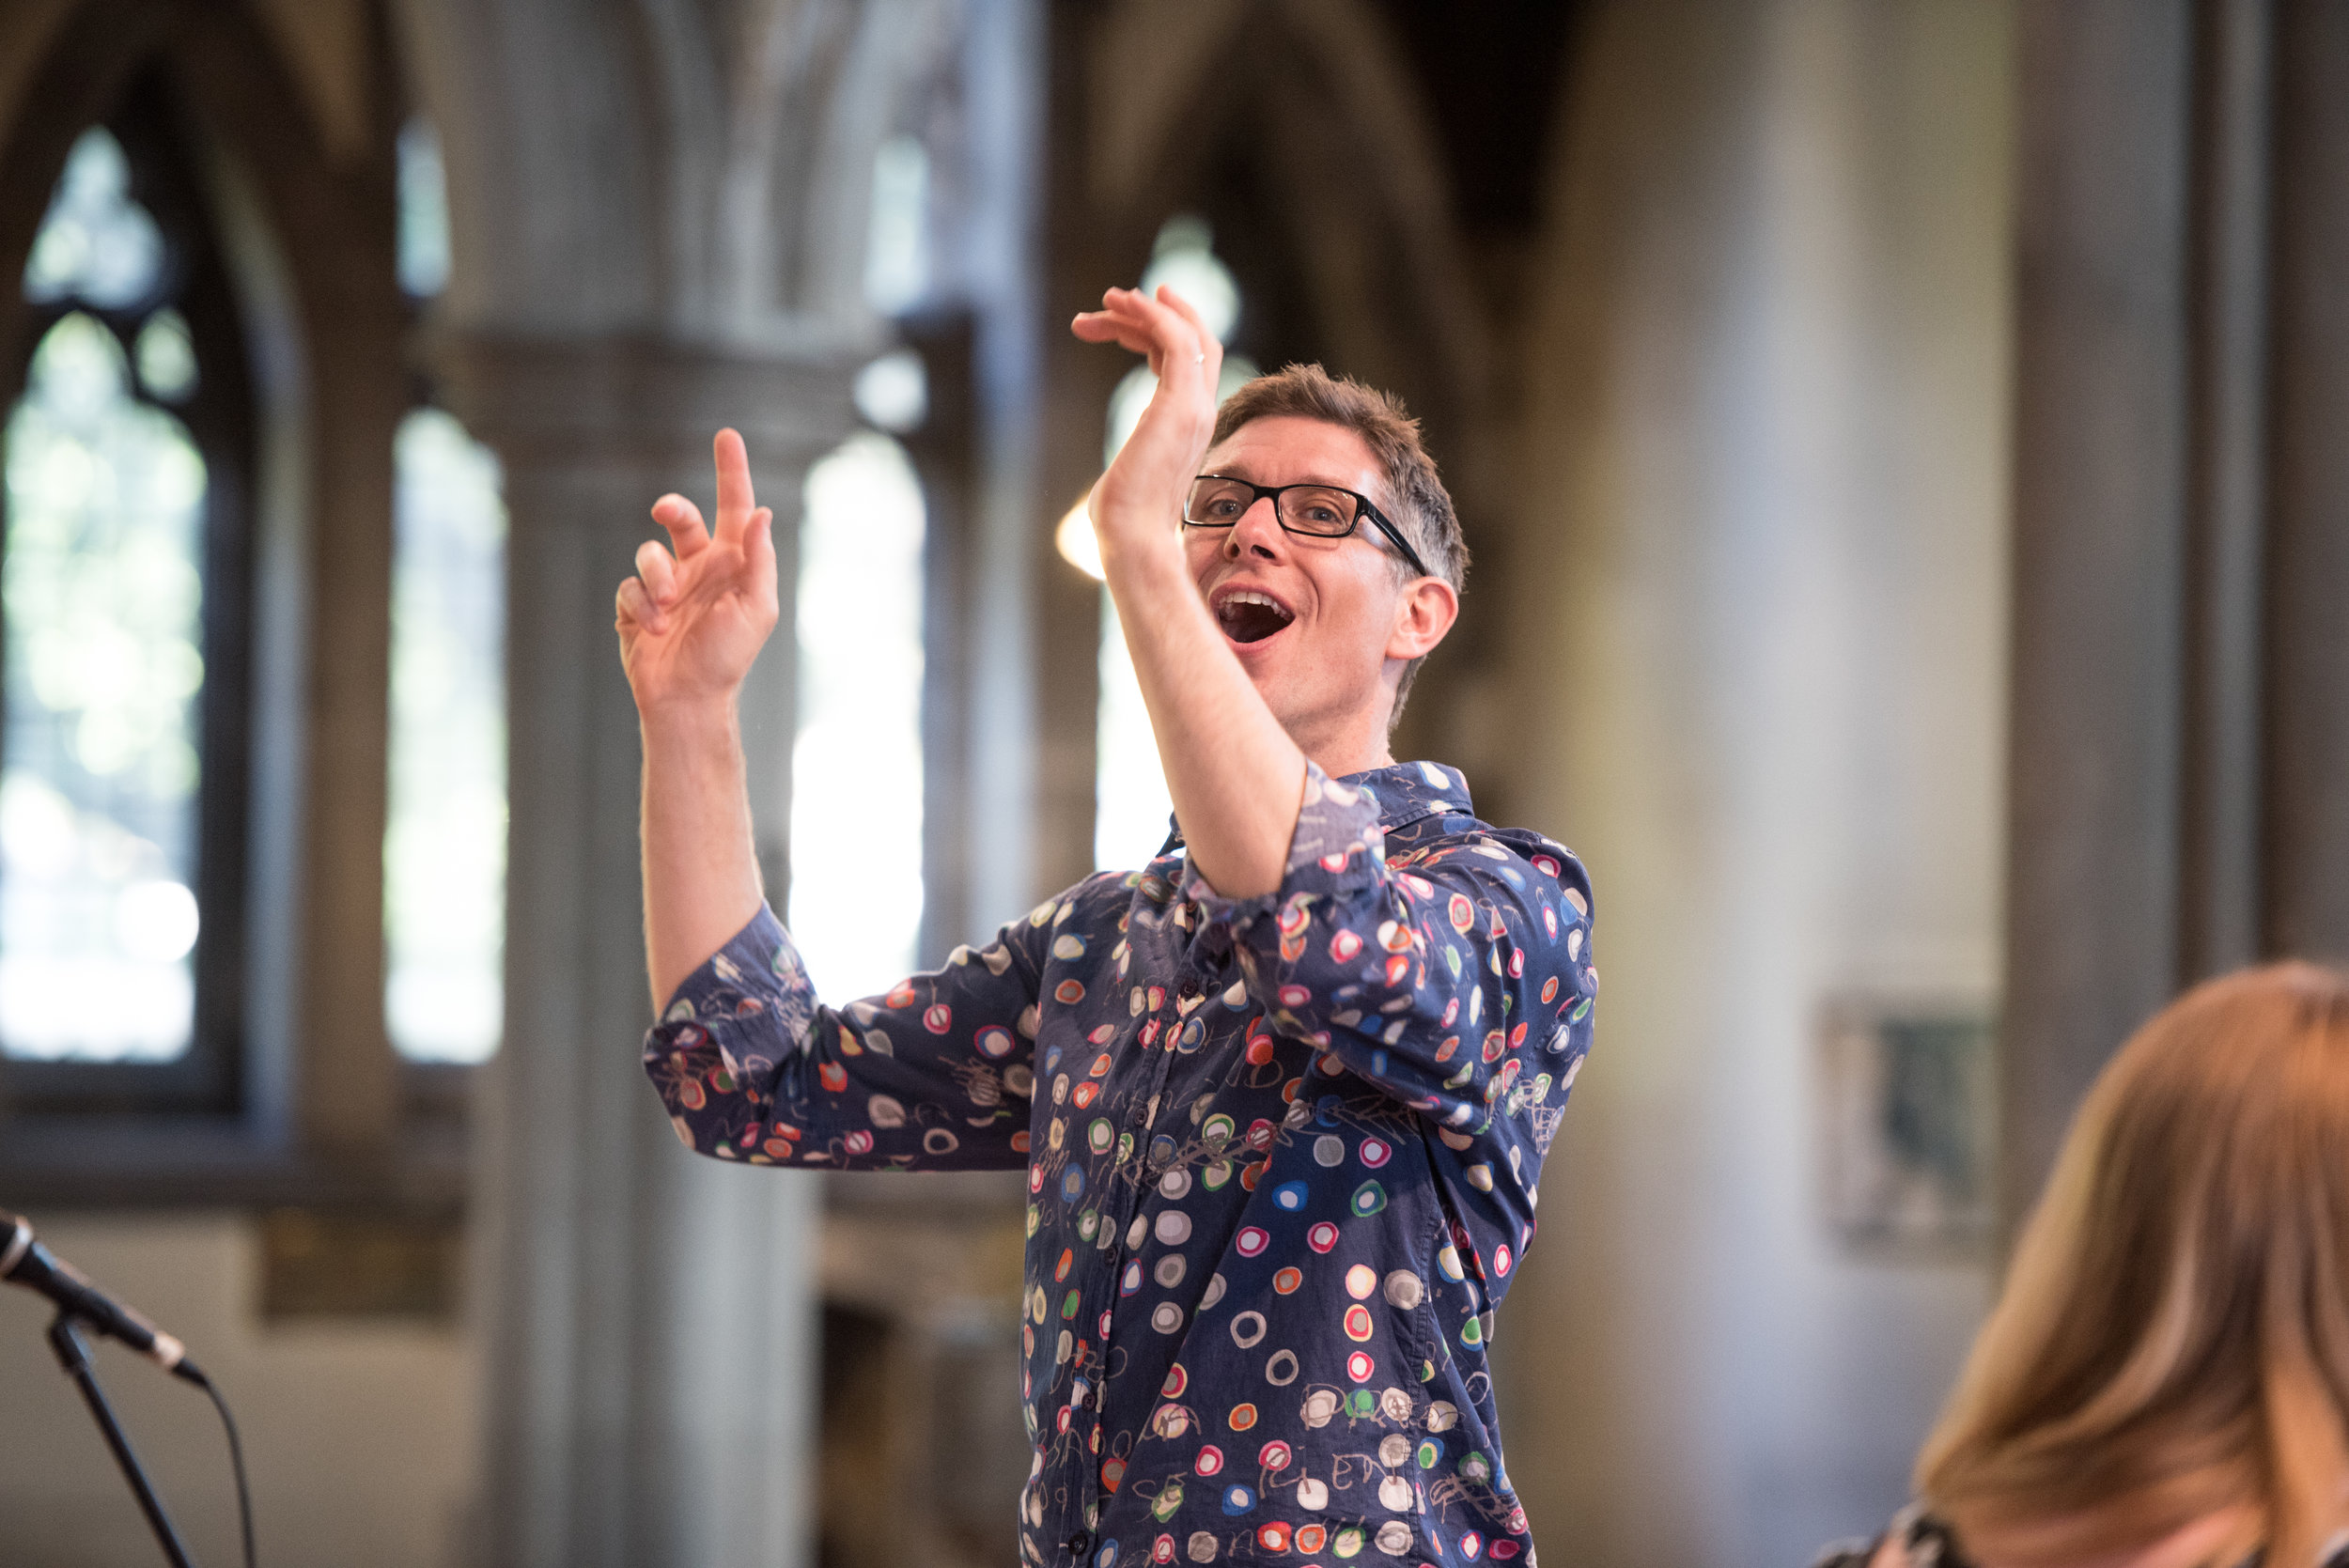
{"x":735,"y":499}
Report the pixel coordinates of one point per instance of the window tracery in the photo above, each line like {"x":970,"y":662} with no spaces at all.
{"x":102,"y":573}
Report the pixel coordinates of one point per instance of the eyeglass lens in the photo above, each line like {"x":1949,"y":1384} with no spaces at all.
{"x":1218,"y":503}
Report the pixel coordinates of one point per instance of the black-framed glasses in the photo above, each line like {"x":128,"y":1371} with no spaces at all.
{"x":1320,"y":511}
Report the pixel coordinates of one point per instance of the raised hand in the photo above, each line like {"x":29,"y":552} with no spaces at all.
{"x":1142,"y":491}
{"x":1236,"y":776}
{"x":690,"y":622}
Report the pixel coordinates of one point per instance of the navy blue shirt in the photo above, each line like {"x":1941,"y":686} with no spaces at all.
{"x":1281,"y":1156}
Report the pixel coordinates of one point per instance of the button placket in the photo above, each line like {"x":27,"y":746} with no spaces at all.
{"x":1119,"y":1214}
{"x":1155,"y":1078}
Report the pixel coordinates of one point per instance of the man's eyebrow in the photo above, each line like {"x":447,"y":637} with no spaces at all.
{"x":1241,"y":470}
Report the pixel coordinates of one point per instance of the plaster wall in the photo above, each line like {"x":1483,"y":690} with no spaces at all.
{"x":1763,"y":675}
{"x":361,"y":1438}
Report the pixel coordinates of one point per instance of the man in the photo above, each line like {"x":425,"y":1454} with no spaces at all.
{"x":1281,"y":1096}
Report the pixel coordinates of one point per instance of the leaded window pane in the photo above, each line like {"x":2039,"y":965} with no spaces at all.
{"x":103,"y":583}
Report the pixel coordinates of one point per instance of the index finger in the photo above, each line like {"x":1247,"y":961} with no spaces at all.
{"x":735,"y":501}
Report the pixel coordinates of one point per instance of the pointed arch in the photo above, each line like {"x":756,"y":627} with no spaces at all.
{"x":299,"y":329}
{"x":1313,"y":99}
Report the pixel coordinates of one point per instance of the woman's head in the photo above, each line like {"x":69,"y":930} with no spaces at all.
{"x":2174,"y":1338}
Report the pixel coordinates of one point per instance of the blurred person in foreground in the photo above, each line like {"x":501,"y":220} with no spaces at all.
{"x":2165,"y":1380}
{"x":1282,"y":1096}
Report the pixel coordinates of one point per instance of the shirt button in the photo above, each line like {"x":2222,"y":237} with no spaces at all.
{"x":1187,"y":988}
{"x":1080,"y":1543}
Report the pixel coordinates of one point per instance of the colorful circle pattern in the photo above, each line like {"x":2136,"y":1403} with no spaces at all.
{"x":1380,"y":1052}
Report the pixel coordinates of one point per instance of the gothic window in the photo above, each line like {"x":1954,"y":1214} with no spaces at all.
{"x":856,"y":888}
{"x":444,"y":839}
{"x":857,"y":893}
{"x":123,"y":641}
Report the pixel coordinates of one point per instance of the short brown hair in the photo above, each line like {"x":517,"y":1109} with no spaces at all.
{"x":2173,"y":1337}
{"x":1416,"y":499}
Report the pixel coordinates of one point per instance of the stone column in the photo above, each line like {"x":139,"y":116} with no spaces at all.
{"x":2181,"y":747}
{"x":2101,"y":425}
{"x":2220,"y":893}
{"x":2306,"y":657}
{"x":647,"y":1315}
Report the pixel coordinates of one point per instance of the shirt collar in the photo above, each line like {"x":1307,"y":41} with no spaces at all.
{"x":1406,"y":792}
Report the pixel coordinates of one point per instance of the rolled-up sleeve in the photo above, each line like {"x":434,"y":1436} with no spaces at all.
{"x":935,"y":1074}
{"x":1456,"y":977}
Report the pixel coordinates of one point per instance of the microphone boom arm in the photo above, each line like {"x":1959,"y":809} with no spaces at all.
{"x":79,"y":1304}
{"x":73,"y":1356}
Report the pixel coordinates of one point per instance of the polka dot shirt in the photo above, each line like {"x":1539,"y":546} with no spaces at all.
{"x":1281,"y":1157}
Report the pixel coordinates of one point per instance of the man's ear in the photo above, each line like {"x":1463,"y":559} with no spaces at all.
{"x":1421,"y":617}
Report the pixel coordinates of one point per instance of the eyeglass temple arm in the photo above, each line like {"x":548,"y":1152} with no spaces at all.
{"x":1410,"y":556}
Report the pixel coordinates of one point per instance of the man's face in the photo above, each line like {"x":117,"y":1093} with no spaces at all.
{"x":1314,"y":621}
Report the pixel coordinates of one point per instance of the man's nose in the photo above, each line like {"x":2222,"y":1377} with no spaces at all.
{"x":1258,"y":532}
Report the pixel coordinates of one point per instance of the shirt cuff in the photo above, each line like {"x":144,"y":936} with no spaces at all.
{"x":758,"y":961}
{"x":1336,"y":849}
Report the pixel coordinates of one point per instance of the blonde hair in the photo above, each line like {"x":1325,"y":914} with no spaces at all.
{"x":2174,"y":1338}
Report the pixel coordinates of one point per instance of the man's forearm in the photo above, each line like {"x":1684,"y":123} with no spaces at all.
{"x":1235,"y":777}
{"x":701,"y":871}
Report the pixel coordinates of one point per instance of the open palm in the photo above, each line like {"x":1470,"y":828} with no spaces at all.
{"x":695,"y":614}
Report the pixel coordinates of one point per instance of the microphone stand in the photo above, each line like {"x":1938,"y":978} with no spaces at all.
{"x":73,"y":1356}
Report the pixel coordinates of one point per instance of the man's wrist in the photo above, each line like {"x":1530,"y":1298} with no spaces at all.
{"x":688,"y":722}
{"x":1151,"y":554}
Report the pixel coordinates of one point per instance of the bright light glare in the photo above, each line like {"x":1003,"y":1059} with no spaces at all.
{"x":1183,"y":259}
{"x":444,"y":839}
{"x":1079,"y":546}
{"x":1131,"y":805}
{"x":424,"y":254}
{"x":156,"y":922}
{"x":95,"y":242}
{"x":894,"y":392}
{"x":165,"y":354}
{"x":897,"y":245}
{"x":1133,"y":394}
{"x":856,"y":767}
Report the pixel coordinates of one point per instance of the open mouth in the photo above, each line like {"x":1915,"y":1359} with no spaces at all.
{"x":1248,"y":616}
